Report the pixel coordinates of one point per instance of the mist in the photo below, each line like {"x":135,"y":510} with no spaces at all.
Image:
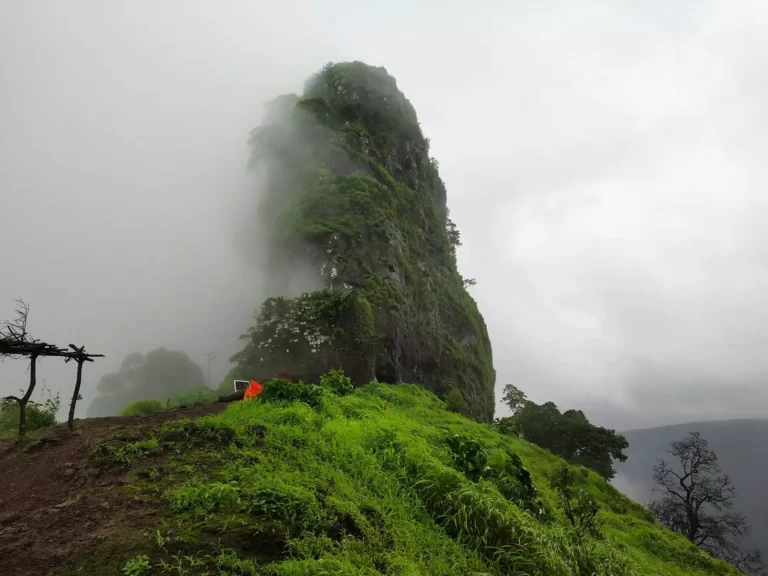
{"x":605,"y":166}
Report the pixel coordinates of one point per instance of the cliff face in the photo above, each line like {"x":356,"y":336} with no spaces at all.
{"x":352,"y":193}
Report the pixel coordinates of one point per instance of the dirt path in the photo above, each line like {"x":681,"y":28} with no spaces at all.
{"x":56,"y":500}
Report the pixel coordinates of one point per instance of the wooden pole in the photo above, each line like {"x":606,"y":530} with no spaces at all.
{"x":27,"y":396}
{"x":71,"y":420}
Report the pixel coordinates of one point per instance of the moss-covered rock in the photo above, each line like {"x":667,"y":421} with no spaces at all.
{"x":354,"y":197}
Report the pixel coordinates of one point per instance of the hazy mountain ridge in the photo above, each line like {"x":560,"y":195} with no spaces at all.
{"x":742,"y":448}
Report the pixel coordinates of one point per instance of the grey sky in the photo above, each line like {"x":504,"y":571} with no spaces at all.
{"x":605,"y":166}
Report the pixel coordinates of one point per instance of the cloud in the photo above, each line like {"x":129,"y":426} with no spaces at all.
{"x":605,"y":165}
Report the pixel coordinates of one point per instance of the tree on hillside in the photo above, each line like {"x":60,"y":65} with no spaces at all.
{"x":571,"y":436}
{"x":514,"y":398}
{"x":160,"y":375}
{"x":696,"y":502}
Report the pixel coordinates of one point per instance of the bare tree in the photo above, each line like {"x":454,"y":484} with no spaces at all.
{"x":696,"y":502}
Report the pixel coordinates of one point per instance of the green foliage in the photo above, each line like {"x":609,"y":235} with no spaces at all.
{"x":281,"y":390}
{"x":571,"y":436}
{"x":577,"y":505}
{"x":40,"y":415}
{"x":455,"y":402}
{"x":504,"y":467}
{"x":138,"y":566}
{"x":143,"y":407}
{"x":469,"y":456}
{"x":280,"y":487}
{"x":506,"y":425}
{"x":200,"y":501}
{"x":306,"y":332}
{"x":514,"y":398}
{"x":202,"y":395}
{"x":121,"y":452}
{"x":337,"y":382}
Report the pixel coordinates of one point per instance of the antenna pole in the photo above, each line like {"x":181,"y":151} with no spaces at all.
{"x":210,"y":356}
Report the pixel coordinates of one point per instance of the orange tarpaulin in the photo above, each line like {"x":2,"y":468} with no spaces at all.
{"x":253,"y":390}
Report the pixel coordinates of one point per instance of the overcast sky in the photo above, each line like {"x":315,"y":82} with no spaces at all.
{"x":605,"y":165}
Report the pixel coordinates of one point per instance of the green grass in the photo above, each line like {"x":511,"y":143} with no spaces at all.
{"x":366,"y":483}
{"x":191,"y":397}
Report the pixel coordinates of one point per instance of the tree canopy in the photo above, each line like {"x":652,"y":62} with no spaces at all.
{"x":570,"y":435}
{"x":159,"y":375}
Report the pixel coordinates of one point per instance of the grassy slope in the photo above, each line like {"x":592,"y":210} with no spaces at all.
{"x":363,"y":486}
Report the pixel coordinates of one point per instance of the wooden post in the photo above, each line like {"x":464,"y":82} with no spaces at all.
{"x":28,"y":395}
{"x":71,"y":420}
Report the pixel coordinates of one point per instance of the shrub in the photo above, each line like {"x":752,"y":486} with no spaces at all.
{"x":337,"y":382}
{"x":137,"y":566}
{"x":506,"y":425}
{"x":579,"y":507}
{"x":512,"y":479}
{"x":455,"y":402}
{"x":469,"y":456}
{"x":143,"y":408}
{"x":40,"y":415}
{"x":281,"y":390}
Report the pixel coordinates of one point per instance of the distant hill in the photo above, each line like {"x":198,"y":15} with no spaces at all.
{"x":741,"y":445}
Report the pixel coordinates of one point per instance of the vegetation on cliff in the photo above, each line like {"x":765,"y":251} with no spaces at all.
{"x":352,"y":194}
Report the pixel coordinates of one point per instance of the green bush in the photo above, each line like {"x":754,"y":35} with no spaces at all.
{"x":337,"y":382}
{"x":506,"y":425}
{"x":576,"y":503}
{"x":143,"y":408}
{"x":40,"y":415}
{"x":281,"y":390}
{"x":455,"y":402}
{"x":137,"y":566}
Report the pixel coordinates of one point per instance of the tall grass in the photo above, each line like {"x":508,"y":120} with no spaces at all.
{"x":366,"y":484}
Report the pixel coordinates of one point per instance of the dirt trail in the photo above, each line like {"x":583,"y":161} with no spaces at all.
{"x":56,"y":501}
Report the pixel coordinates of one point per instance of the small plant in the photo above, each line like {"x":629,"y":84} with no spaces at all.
{"x":516,"y":485}
{"x":126,"y":452}
{"x":579,"y":507}
{"x":469,"y":456}
{"x":137,"y":566}
{"x":203,"y":500}
{"x":337,"y":382}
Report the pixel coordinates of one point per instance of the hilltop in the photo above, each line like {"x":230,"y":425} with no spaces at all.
{"x":369,"y":482}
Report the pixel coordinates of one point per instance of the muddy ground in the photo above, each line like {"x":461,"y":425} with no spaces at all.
{"x":57,"y":500}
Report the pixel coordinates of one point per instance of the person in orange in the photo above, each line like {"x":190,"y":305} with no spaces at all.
{"x":253,"y":390}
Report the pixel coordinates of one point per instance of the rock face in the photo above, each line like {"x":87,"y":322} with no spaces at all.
{"x":353,"y":197}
